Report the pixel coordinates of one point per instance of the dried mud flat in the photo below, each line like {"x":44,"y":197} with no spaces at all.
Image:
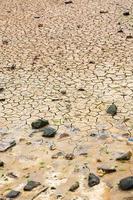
{"x":66,"y":62}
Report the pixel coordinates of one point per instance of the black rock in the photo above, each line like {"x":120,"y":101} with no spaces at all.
{"x":126,"y":183}
{"x":68,"y":2}
{"x":125,"y":156}
{"x":1,"y":89}
{"x":107,"y":169}
{"x":1,"y":163}
{"x":74,"y":187}
{"x":13,"y":194}
{"x":49,"y":132}
{"x":40,"y":123}
{"x":129,"y":37}
{"x":126,"y":13}
{"x":93,"y":180}
{"x":112,"y":110}
{"x":103,"y":11}
{"x":31,"y":185}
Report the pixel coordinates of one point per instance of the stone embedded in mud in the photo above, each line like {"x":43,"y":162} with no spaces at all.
{"x":31,"y":185}
{"x":40,"y":123}
{"x":1,"y":163}
{"x":74,"y":187}
{"x":13,"y":194}
{"x":106,"y":169}
{"x":69,"y":156}
{"x":125,"y":156}
{"x":93,"y":180}
{"x":112,"y":109}
{"x":6,"y":144}
{"x":126,"y":183}
{"x":49,"y":132}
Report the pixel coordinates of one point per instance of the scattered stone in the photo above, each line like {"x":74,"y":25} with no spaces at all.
{"x":103,"y":11}
{"x":12,"y":175}
{"x":40,"y":25}
{"x":1,"y":100}
{"x":6,"y":144}
{"x":126,"y":13}
{"x":124,"y":156}
{"x":13,"y":67}
{"x":93,"y":180}
{"x":1,"y":163}
{"x":49,"y":132}
{"x":40,"y":123}
{"x":31,"y":185}
{"x":1,"y":89}
{"x":69,"y":156}
{"x":55,"y":156}
{"x":13,"y":194}
{"x":120,"y":30}
{"x":74,"y":187}
{"x":92,"y":62}
{"x":64,"y":135}
{"x":5,"y":42}
{"x":63,"y":92}
{"x":112,"y":110}
{"x":68,"y":2}
{"x":81,"y":89}
{"x":126,"y":183}
{"x":129,"y":37}
{"x":107,"y":169}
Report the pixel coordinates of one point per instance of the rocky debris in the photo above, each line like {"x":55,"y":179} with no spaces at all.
{"x":2,"y":99}
{"x":63,"y":91}
{"x":1,"y":89}
{"x":31,"y":185}
{"x":126,"y":13}
{"x":129,"y":37}
{"x":40,"y":123}
{"x":49,"y":132}
{"x":63,"y":135}
{"x":13,"y":194}
{"x":81,"y":89}
{"x":69,"y":156}
{"x":126,"y":183}
{"x":93,"y":180}
{"x":106,"y":169}
{"x":40,"y":25}
{"x":12,"y":175}
{"x":5,"y":42}
{"x":68,"y":1}
{"x":55,"y":156}
{"x":120,"y":30}
{"x":112,"y":110}
{"x":103,"y":11}
{"x":74,"y":187}
{"x":1,"y":163}
{"x":6,"y":144}
{"x":124,"y":156}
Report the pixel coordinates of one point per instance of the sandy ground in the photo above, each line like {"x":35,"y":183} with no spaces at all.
{"x":66,"y":63}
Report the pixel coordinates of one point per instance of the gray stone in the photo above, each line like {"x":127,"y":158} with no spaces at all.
{"x":49,"y":132}
{"x":74,"y":187}
{"x":6,"y":144}
{"x":13,"y":194}
{"x":126,"y":183}
{"x":93,"y":180}
{"x":124,"y":156}
{"x":112,"y":110}
{"x":31,"y":185}
{"x":40,"y":123}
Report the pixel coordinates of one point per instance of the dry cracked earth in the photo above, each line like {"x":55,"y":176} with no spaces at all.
{"x":66,"y":62}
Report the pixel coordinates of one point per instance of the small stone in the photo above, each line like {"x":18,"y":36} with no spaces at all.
{"x":40,"y":123}
{"x":103,"y":11}
{"x":74,"y":187}
{"x":55,"y":156}
{"x":5,"y":42}
{"x":49,"y":132}
{"x":1,"y":89}
{"x":6,"y":144}
{"x":1,"y":163}
{"x":93,"y":180}
{"x":13,"y":194}
{"x":112,"y":110}
{"x":68,"y":2}
{"x":124,"y":156}
{"x":12,"y":175}
{"x":69,"y":156}
{"x":126,"y":183}
{"x":1,"y":100}
{"x":126,"y":13}
{"x":13,"y":67}
{"x":107,"y":169}
{"x":81,"y":89}
{"x":63,"y":92}
{"x":120,"y":30}
{"x":31,"y":185}
{"x":129,"y":37}
{"x":40,"y":25}
{"x":63,"y":135}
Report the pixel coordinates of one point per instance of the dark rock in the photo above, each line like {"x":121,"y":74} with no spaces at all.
{"x":6,"y":144}
{"x":126,"y":183}
{"x":69,"y":156}
{"x":126,"y":13}
{"x":129,"y":37}
{"x":112,"y":110}
{"x":13,"y":194}
{"x":13,"y":67}
{"x":2,"y":99}
{"x":107,"y":169}
{"x":63,"y":92}
{"x":5,"y":42}
{"x":1,"y":89}
{"x":55,"y":156}
{"x":103,"y":11}
{"x":120,"y":30}
{"x":81,"y":89}
{"x":1,"y":163}
{"x":93,"y":180}
{"x":124,"y":156}
{"x":74,"y":187}
{"x":31,"y":185}
{"x":49,"y":132}
{"x":68,"y":2}
{"x":63,"y":135}
{"x":40,"y":25}
{"x":40,"y":123}
{"x":12,"y":175}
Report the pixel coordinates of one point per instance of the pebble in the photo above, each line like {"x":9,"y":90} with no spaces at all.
{"x":40,"y":123}
{"x":126,"y":13}
{"x":68,"y":2}
{"x":49,"y":132}
{"x":69,"y":156}
{"x":1,"y":163}
{"x":124,"y":156}
{"x":31,"y":185}
{"x":107,"y":169}
{"x":126,"y":183}
{"x":13,"y":194}
{"x":74,"y":187}
{"x":63,"y":92}
{"x":7,"y":144}
{"x":112,"y":109}
{"x":93,"y":180}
